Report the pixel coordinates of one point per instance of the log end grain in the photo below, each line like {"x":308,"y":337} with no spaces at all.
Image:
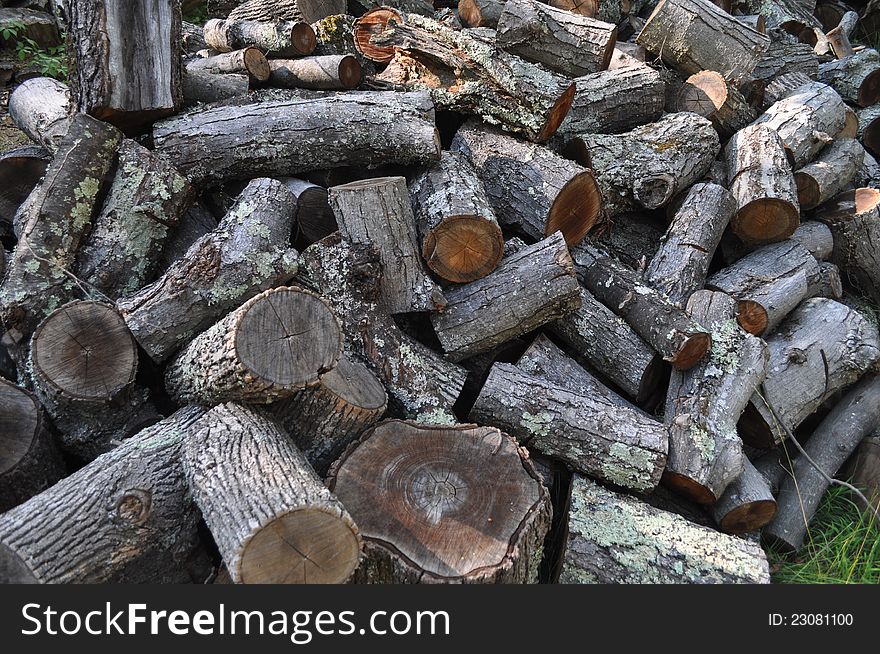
{"x":19,"y":423}
{"x":687,"y":487}
{"x":693,"y":348}
{"x":464,"y":248}
{"x":869,"y":90}
{"x":369,"y":25}
{"x":752,"y":316}
{"x":766,"y":220}
{"x":748,"y":517}
{"x":303,"y":38}
{"x":256,"y":64}
{"x":559,"y":111}
{"x":809,"y":193}
{"x":871,"y":136}
{"x":576,"y":209}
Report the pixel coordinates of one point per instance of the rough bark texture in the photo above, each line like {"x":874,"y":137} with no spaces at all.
{"x":207,"y":87}
{"x":782,"y":58}
{"x":326,"y":73}
{"x":281,"y":39}
{"x":192,"y":37}
{"x":864,"y":472}
{"x":270,"y":515}
{"x":856,"y":77}
{"x":614,"y":538}
{"x":21,"y":170}
{"x":783,"y":86}
{"x":307,"y":10}
{"x":247,"y":254}
{"x":127,"y":517}
{"x":833,"y":170}
{"x":708,"y":94}
{"x":360,"y":129}
{"x":632,"y":238}
{"x":480,"y":13}
{"x":41,"y":108}
{"x":747,"y":504}
{"x":532,"y":189}
{"x":869,"y":128}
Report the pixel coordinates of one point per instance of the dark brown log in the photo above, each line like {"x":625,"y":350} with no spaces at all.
{"x":864,"y":472}
{"x":831,"y":172}
{"x":251,"y":243}
{"x":327,"y":73}
{"x":480,"y":13}
{"x":708,"y":94}
{"x":21,"y":170}
{"x":633,"y":238}
{"x":314,"y":216}
{"x":616,"y":538}
{"x":41,"y":108}
{"x":207,"y":87}
{"x":193,"y":225}
{"x":125,"y":518}
{"x":249,"y":61}
{"x":856,"y":77}
{"x":869,"y":129}
{"x":270,"y":515}
{"x":276,"y":10}
{"x":747,"y":504}
{"x":282,"y":39}
{"x":460,"y":504}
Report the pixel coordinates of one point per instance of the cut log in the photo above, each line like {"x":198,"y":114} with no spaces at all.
{"x":783,"y":86}
{"x":361,"y":129}
{"x":646,"y":167}
{"x":205,"y":86}
{"x":868,"y":175}
{"x":282,"y":39}
{"x":193,"y":225}
{"x":615,"y":538}
{"x":633,"y":239}
{"x":704,"y":404}
{"x":839,"y":34}
{"x":666,"y":327}
{"x":41,"y":108}
{"x":830,"y":173}
{"x":30,"y":462}
{"x":854,"y":219}
{"x":680,"y":265}
{"x":21,"y":170}
{"x":869,"y":129}
{"x":460,"y":504}
{"x":753,"y":21}
{"x":769,"y":283}
{"x":146,"y":200}
{"x":592,"y":433}
{"x":530,"y":288}
{"x":275,"y":344}
{"x":851,"y":420}
{"x":864,"y":472}
{"x":325,"y":419}
{"x":481,"y":13}
{"x":816,"y":237}
{"x":856,"y":77}
{"x":708,"y":94}
{"x":762,"y":183}
{"x":127,"y":517}
{"x":783,"y":58}
{"x":460,"y":236}
{"x":378,"y":212}
{"x":829,"y":284}
{"x":695,"y":35}
{"x":532,"y":190}
{"x":278,"y":10}
{"x":249,"y":61}
{"x":747,"y":505}
{"x":248,"y":253}
{"x":270,"y":515}
{"x":126,"y":63}
{"x":823,"y":347}
{"x":192,"y":37}
{"x":314,"y":216}
{"x":371,"y":24}
{"x":560,"y":40}
{"x":327,"y":73}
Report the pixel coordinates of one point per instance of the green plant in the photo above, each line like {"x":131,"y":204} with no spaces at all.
{"x":51,"y":61}
{"x":197,"y":14}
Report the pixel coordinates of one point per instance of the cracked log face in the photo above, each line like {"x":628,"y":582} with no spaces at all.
{"x":371,"y":24}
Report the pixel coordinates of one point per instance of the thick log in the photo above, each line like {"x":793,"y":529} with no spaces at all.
{"x":41,"y":108}
{"x":762,"y":183}
{"x":361,"y":129}
{"x":29,"y":461}
{"x":21,"y":170}
{"x":869,"y":129}
{"x":646,"y":167}
{"x":704,"y":404}
{"x":708,"y":94}
{"x":747,"y":505}
{"x":314,"y":216}
{"x":560,"y":40}
{"x":823,"y":347}
{"x":282,"y":39}
{"x":480,"y":13}
{"x":695,"y":35}
{"x":205,"y":86}
{"x":378,"y":212}
{"x":680,"y":265}
{"x":275,"y":344}
{"x":248,"y":61}
{"x":327,"y":73}
{"x":854,"y":219}
{"x":278,"y":10}
{"x":529,"y":289}
{"x":460,"y":504}
{"x":127,"y":517}
{"x":270,"y":515}
{"x":852,"y":419}
{"x":251,"y":243}
{"x":783,"y":58}
{"x":126,"y":66}
{"x":616,"y":538}
{"x":831,"y":172}
{"x":856,"y":77}
{"x":532,"y":189}
{"x":783,"y":86}
{"x":460,"y":236}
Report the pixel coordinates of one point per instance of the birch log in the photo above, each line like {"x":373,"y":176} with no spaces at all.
{"x":41,"y":107}
{"x":279,"y":39}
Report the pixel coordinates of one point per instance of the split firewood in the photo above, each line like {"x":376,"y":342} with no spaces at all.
{"x":646,"y":167}
{"x":327,"y":73}
{"x":560,"y":40}
{"x":269,"y":513}
{"x":282,"y":39}
{"x":869,"y":128}
{"x":695,"y":35}
{"x":748,"y":503}
{"x":852,"y":419}
{"x":29,"y":463}
{"x":21,"y":170}
{"x":708,"y":94}
{"x":616,"y":538}
{"x":249,"y":61}
{"x":462,"y":504}
{"x":314,"y":216}
{"x":680,"y":265}
{"x":831,"y":172}
{"x":768,"y":284}
{"x":131,"y":506}
{"x":821,"y":348}
{"x":532,"y":189}
{"x":762,"y":183}
{"x":529,"y":289}
{"x":839,"y":36}
{"x":269,"y":11}
{"x":856,"y":77}
{"x":360,"y":129}
{"x":126,"y":68}
{"x":41,"y":107}
{"x":481,"y":13}
{"x":854,"y":219}
{"x":378,"y":212}
{"x":248,"y":253}
{"x":704,"y":403}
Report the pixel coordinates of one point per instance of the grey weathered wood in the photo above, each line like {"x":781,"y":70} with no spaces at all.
{"x":829,"y":284}
{"x":275,"y":10}
{"x":41,"y":107}
{"x":747,"y":504}
{"x":782,"y":58}
{"x":831,"y":172}
{"x":192,"y":38}
{"x":325,"y":73}
{"x":856,"y":77}
{"x":205,"y":86}
{"x":278,"y":39}
{"x":632,"y":238}
{"x":247,"y":61}
{"x":784,"y":85}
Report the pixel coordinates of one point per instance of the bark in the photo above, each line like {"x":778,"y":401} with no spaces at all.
{"x":127,"y":517}
{"x":283,"y":39}
{"x":783,"y":86}
{"x":868,"y":175}
{"x":362,"y":129}
{"x":782,"y":58}
{"x":869,"y":129}
{"x":762,"y":183}
{"x":864,"y":472}
{"x":21,"y":170}
{"x":335,"y":36}
{"x":248,"y":253}
{"x":529,"y":289}
{"x":829,"y":284}
{"x":856,"y":77}
{"x":646,"y":167}
{"x":747,"y":505}
{"x":248,"y":61}
{"x":460,"y":237}
{"x":615,"y":538}
{"x":192,"y":226}
{"x":460,"y":504}
{"x":633,"y":239}
{"x":192,"y":38}
{"x":831,"y":172}
{"x":276,"y":10}
{"x":41,"y":108}
{"x":532,"y":190}
{"x":204,"y":86}
{"x":314,"y":216}
{"x":823,"y":347}
{"x":812,"y":234}
{"x":708,"y":94}
{"x":480,"y":13}
{"x":327,"y":73}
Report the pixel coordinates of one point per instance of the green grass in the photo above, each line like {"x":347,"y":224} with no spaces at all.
{"x":843,"y":547}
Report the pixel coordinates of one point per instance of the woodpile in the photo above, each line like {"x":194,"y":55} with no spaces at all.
{"x":459,"y":292}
